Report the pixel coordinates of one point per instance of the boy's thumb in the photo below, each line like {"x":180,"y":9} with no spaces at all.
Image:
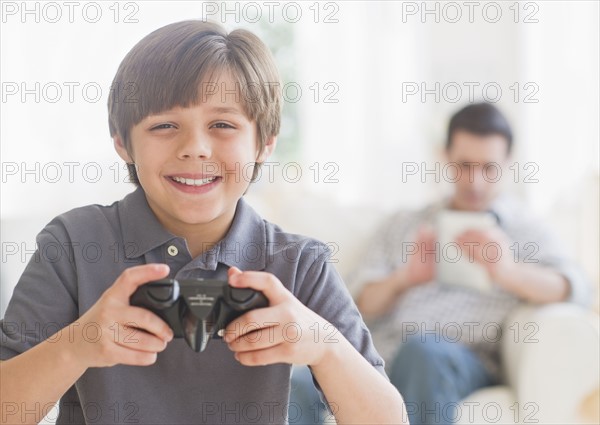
{"x":233,"y":271}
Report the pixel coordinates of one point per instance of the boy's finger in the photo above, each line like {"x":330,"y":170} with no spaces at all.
{"x":133,"y":357}
{"x":258,"y":340}
{"x":263,"y":318}
{"x":138,"y":317}
{"x":130,"y":279}
{"x":232,"y":271}
{"x":138,"y":339}
{"x":263,"y":357}
{"x":265,"y":282}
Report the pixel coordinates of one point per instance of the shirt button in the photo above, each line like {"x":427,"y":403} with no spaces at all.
{"x":172,"y":250}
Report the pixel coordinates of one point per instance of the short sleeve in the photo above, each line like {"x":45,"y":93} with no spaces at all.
{"x":44,"y":299}
{"x":324,"y":292}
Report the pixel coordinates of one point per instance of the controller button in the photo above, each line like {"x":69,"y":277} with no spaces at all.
{"x":241,"y":295}
{"x":162,"y":293}
{"x":172,"y":250}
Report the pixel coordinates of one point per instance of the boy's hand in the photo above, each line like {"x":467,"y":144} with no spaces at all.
{"x":285,"y":332}
{"x":106,"y":334}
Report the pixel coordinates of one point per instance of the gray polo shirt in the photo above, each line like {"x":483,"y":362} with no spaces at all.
{"x":82,"y":252}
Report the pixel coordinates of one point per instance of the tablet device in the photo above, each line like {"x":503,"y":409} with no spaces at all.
{"x":453,"y":266}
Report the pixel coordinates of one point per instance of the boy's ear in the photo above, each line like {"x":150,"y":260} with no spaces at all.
{"x":270,"y":144}
{"x":121,"y":150}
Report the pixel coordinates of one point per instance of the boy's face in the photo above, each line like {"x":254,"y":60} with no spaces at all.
{"x":480,"y":159}
{"x":195,"y":163}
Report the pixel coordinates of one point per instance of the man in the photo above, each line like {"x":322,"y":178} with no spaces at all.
{"x":436,"y":338}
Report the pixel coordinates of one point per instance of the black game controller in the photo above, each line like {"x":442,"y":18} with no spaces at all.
{"x":197,"y":309}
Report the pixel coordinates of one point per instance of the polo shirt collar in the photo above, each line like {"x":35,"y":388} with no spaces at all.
{"x":140,"y":226}
{"x":244,"y":245}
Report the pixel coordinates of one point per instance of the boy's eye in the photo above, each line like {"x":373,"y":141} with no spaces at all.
{"x":162,"y":126}
{"x":221,"y":125}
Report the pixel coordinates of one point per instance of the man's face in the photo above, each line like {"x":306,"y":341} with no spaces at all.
{"x":480,"y":159}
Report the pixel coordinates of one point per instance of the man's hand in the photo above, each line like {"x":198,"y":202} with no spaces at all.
{"x":420,"y":267}
{"x":491,"y":249}
{"x":378,"y":297}
{"x":530,"y":282}
{"x":113,"y":332}
{"x":285,"y":332}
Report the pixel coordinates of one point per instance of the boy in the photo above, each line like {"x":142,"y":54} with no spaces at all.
{"x":191,"y":106}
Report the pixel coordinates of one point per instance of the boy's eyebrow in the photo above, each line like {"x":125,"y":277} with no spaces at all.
{"x":226,"y":110}
{"x":213,"y":109}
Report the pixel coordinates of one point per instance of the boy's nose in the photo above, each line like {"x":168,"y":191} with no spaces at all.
{"x":195,"y":145}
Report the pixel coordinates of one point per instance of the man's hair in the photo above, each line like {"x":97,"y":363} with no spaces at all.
{"x":167,"y":68}
{"x":482,"y":119}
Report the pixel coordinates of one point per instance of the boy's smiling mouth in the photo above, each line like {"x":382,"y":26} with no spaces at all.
{"x":193,"y":182}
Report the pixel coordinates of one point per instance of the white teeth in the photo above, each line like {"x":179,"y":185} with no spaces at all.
{"x":194,"y":182}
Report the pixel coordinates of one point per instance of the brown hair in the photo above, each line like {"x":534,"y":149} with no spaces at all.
{"x":166,"y":68}
{"x":482,"y":119}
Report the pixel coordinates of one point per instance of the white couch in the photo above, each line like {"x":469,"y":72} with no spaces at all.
{"x":551,"y":369}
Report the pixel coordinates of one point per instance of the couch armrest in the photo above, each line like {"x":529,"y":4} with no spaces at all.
{"x":550,"y":355}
